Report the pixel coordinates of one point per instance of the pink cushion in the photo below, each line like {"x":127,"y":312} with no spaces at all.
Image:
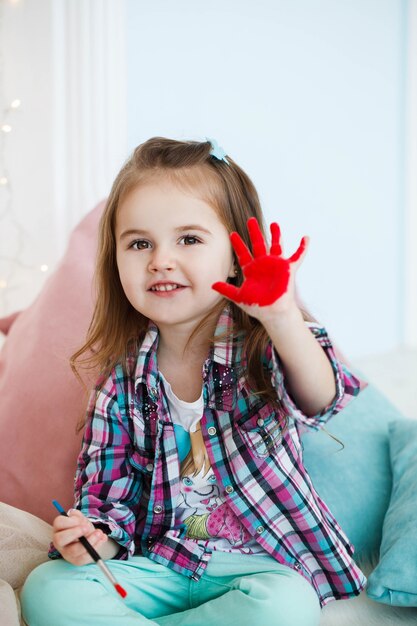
{"x":7,"y":322}
{"x":41,"y":401}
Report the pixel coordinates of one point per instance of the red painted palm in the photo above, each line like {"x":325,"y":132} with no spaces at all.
{"x":266,"y":275}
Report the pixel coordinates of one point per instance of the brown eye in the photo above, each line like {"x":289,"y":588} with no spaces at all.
{"x":189,"y":240}
{"x":139,"y":244}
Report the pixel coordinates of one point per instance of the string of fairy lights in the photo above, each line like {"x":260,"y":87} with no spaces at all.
{"x":14,"y":269}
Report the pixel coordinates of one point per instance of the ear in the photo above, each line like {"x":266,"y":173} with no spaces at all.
{"x":233,"y":271}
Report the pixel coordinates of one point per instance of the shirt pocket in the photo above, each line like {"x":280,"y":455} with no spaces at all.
{"x":260,"y":430}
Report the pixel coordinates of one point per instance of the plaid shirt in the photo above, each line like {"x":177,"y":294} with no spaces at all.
{"x":128,"y":474}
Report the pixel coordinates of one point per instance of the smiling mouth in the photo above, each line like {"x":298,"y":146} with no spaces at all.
{"x":172,"y":287}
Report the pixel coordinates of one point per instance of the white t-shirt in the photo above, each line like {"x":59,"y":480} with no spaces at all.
{"x":186,"y":414}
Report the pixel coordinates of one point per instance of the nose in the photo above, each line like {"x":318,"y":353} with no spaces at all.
{"x":161,"y":259}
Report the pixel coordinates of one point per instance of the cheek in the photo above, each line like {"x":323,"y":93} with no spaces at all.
{"x":129,"y":279}
{"x":228,"y":258}
{"x":217,"y":263}
{"x":122,"y":275}
{"x":129,"y":268}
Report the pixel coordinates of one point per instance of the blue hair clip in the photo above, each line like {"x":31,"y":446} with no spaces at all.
{"x":217,"y":151}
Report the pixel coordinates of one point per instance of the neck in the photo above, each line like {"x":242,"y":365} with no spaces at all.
{"x":174,"y":347}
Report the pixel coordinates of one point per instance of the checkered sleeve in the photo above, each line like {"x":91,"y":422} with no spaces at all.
{"x":347,"y":384}
{"x":107,"y":490}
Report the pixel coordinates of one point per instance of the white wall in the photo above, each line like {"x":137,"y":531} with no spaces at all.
{"x":308,"y":97}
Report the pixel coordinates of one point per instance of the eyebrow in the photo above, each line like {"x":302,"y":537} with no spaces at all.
{"x":137,"y":231}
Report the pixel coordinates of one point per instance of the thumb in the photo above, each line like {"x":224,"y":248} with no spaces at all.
{"x":227,"y":290}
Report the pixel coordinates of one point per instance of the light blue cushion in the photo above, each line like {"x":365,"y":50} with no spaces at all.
{"x":394,"y":581}
{"x":356,"y":482}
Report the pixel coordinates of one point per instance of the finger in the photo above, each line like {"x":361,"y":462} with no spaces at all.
{"x":83,"y":521}
{"x":63,"y":523}
{"x":76,"y":515}
{"x":242,"y":251}
{"x":70,"y":535}
{"x":256,"y":237}
{"x":97,"y":538}
{"x":229,"y":291}
{"x":76,"y":552}
{"x":301,"y":250}
{"x":276,"y":249}
{"x":73,"y":520}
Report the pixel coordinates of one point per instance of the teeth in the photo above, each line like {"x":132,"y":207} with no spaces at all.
{"x":164,"y":287}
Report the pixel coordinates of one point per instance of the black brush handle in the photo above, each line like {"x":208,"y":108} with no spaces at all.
{"x":91,"y":551}
{"x":83,"y":540}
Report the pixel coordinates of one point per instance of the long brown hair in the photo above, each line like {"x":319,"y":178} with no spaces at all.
{"x":117,"y":329}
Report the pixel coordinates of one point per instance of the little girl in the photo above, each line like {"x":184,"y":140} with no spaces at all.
{"x":191,"y":474}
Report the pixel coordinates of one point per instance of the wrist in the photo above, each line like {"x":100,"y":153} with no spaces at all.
{"x":284,"y":320}
{"x":110,"y":550}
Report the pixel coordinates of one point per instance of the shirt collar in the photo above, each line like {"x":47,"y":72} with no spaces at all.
{"x":146,"y":365}
{"x":227,"y":354}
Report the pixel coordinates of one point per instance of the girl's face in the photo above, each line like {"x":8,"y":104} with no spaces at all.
{"x":171,"y":247}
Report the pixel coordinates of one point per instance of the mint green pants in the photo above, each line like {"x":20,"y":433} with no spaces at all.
{"x":235,"y":589}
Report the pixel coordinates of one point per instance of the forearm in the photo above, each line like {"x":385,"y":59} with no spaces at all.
{"x":308,"y":374}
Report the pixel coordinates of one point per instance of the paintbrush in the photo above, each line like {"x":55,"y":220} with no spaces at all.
{"x":94,"y":555}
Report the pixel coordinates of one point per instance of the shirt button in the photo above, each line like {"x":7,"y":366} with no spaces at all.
{"x":297,"y":565}
{"x":260,"y":422}
{"x":229,"y":489}
{"x":149,"y":467}
{"x":212,"y":430}
{"x":260,"y":530}
{"x":154,"y":391}
{"x":157,"y":508}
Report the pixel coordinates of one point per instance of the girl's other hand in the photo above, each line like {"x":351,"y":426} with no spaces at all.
{"x":67,"y":531}
{"x":269,"y":286}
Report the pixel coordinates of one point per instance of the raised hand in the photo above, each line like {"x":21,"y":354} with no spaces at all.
{"x":267,"y":276}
